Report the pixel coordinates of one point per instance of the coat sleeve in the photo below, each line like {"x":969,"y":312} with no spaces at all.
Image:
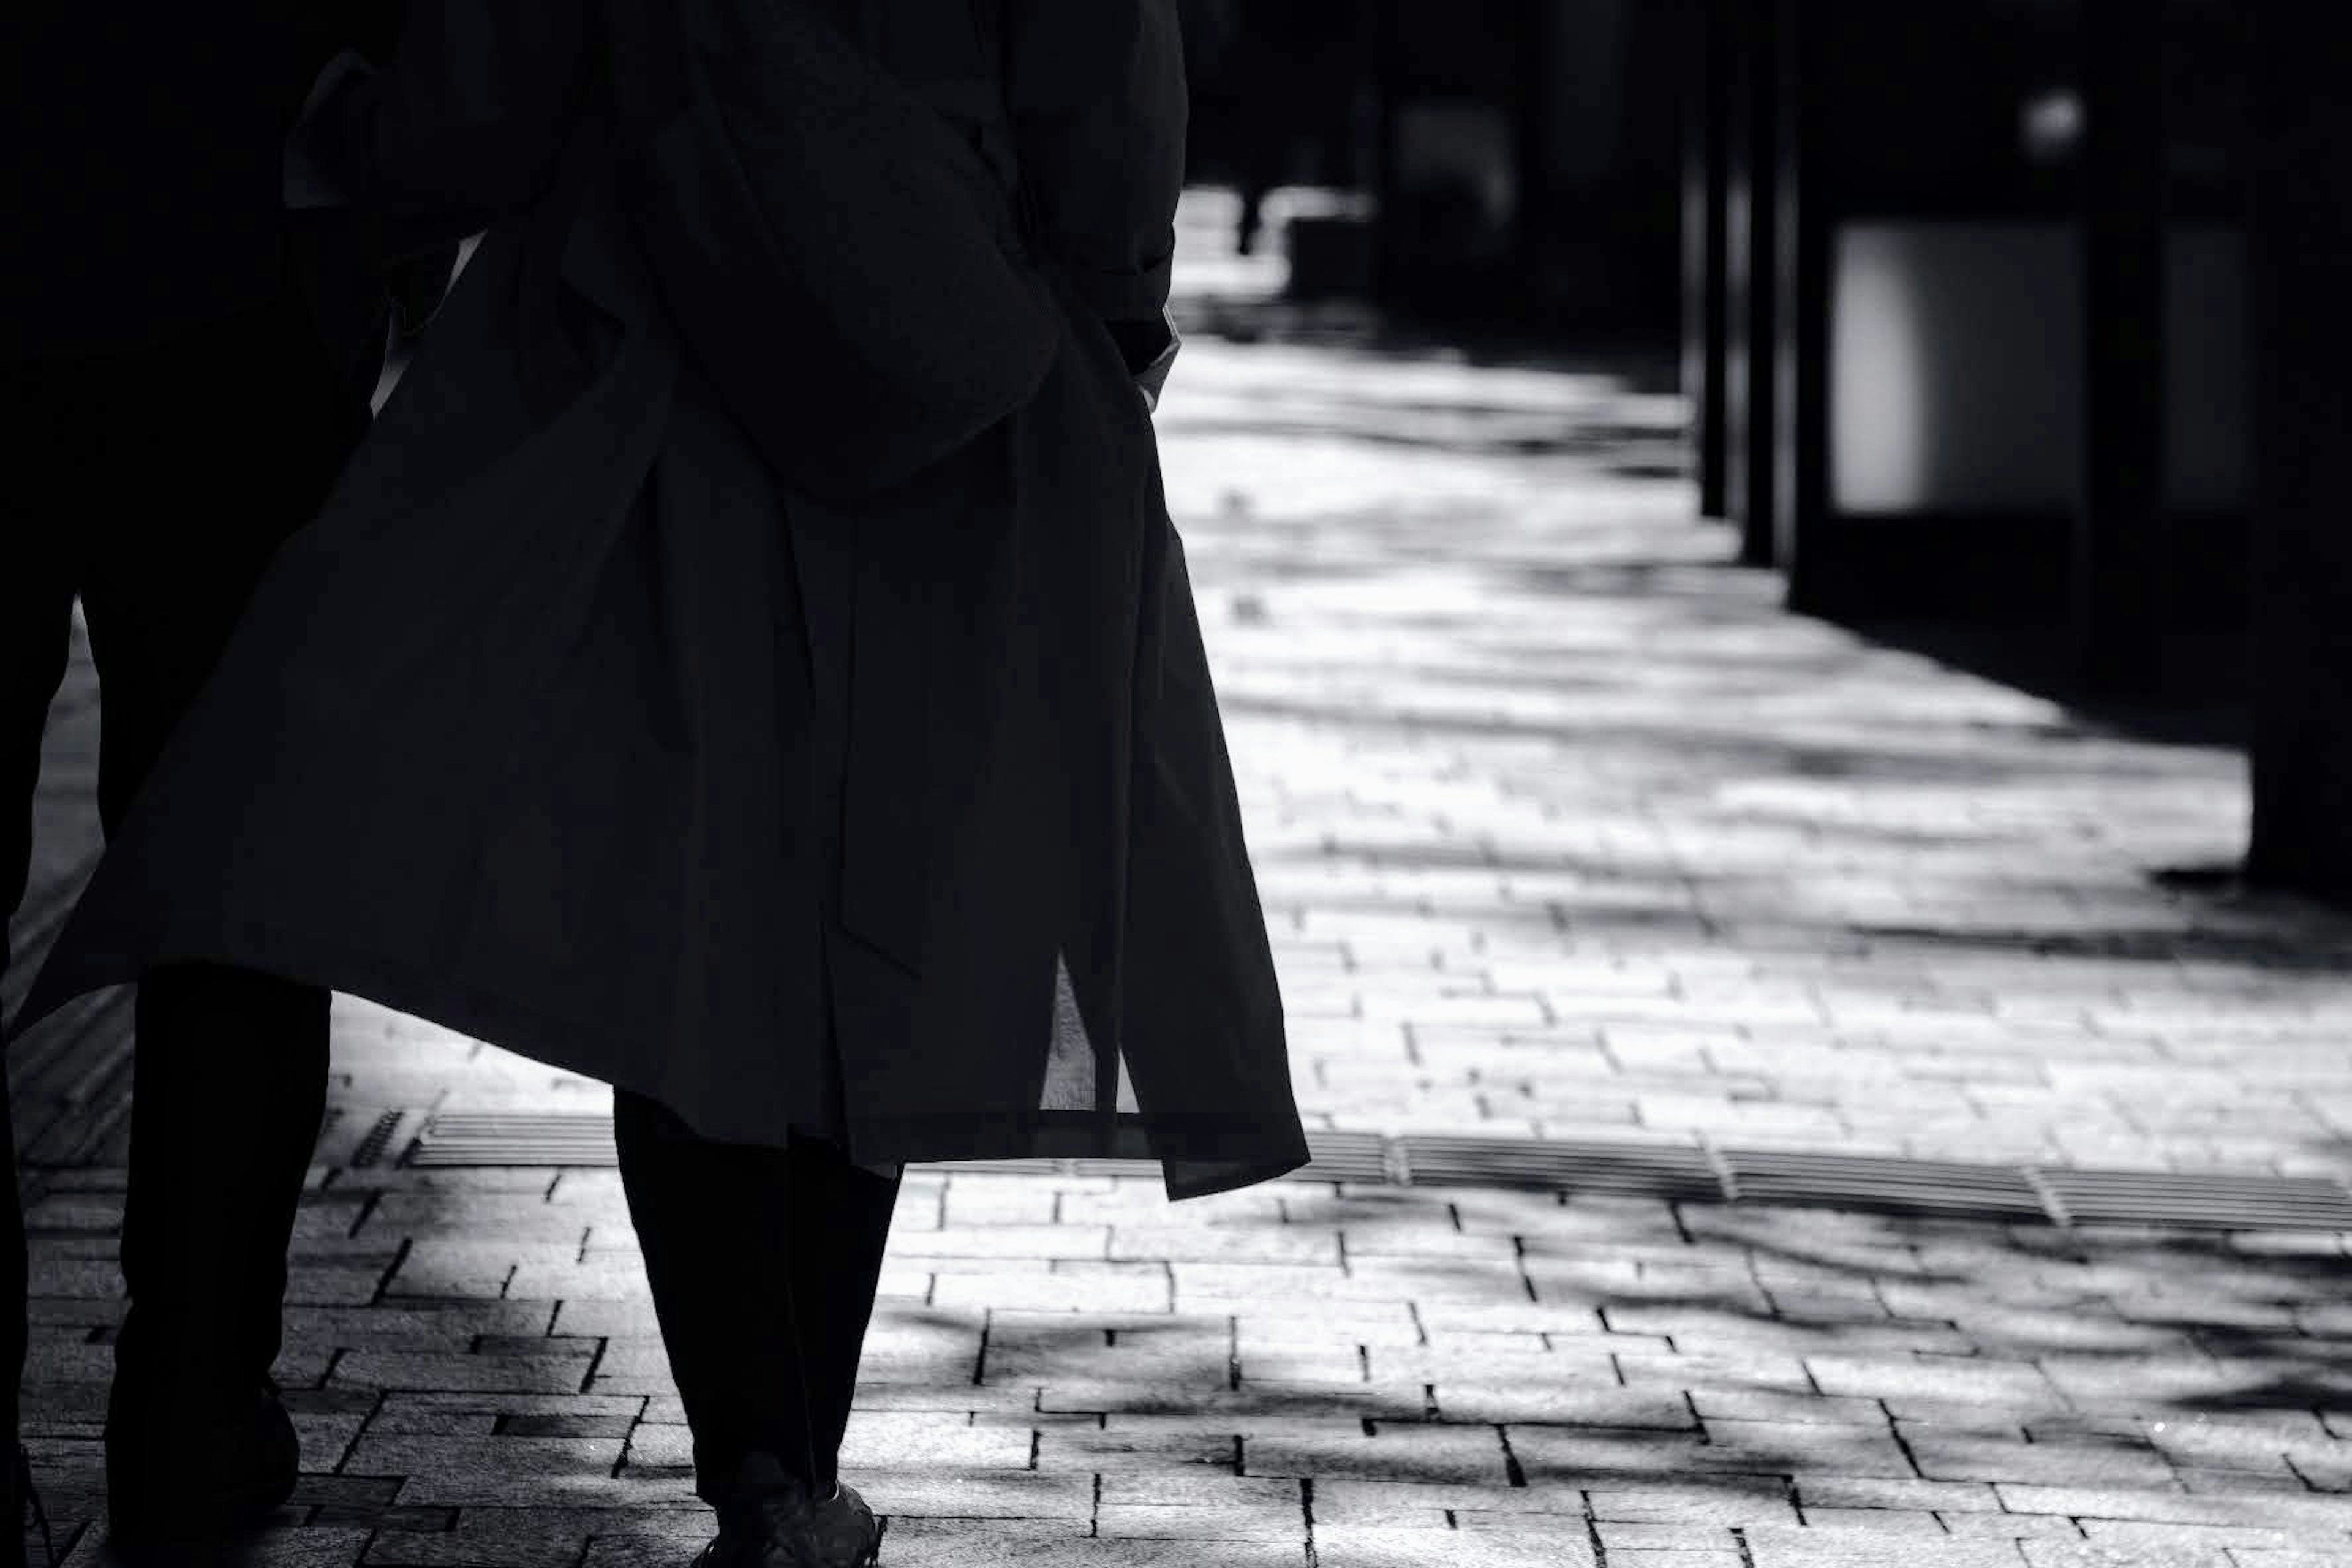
{"x":1099,"y":113}
{"x":459,"y":126}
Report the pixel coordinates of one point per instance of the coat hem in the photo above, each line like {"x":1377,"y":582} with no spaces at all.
{"x":1199,"y":1152}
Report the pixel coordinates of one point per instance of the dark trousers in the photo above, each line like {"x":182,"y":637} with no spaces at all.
{"x":155,"y":484}
{"x":763,"y":1264}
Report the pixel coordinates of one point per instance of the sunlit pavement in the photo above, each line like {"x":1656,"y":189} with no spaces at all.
{"x":1566,"y":831}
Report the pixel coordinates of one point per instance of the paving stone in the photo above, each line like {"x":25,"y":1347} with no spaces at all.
{"x":1796,"y":1445}
{"x":439,"y":1326}
{"x":1941,"y":1377}
{"x":872,"y":1395}
{"x":1219,"y":1411}
{"x":1730,"y":1499}
{"x":2178,"y":1508}
{"x":597,"y":1274}
{"x":2237,"y":1539}
{"x":1423,"y":1318}
{"x":303,"y":1547}
{"x":1619,"y":1537}
{"x":1377,"y":1546}
{"x":1164,"y":1521}
{"x":1004,"y":1240}
{"x":980,"y":1547}
{"x":1205,"y":1366}
{"x":492,"y":1538}
{"x":1030,"y":1290}
{"x":1564,"y":1404}
{"x":1773,"y":1546}
{"x":1288,"y":1244}
{"x":1376,"y":1326}
{"x":1693,"y":1374}
{"x":2010,"y":1526}
{"x":2235,"y":1482}
{"x":923,"y":1438}
{"x":460,"y":1412}
{"x":1955,"y":1457}
{"x":445,"y":1267}
{"x":521,"y":1216}
{"x":533,"y":1373}
{"x":459,"y":1471}
{"x":1129,"y":1448}
{"x":1423,"y":1505}
{"x":648,"y":1540}
{"x":1947,"y":1497}
{"x":1777,"y":1405}
{"x":1875,"y":1522}
{"x":343,"y":1282}
{"x":993,"y":1493}
{"x":593,"y":1317}
{"x":1564,"y":1454}
{"x":1394,"y":1450}
{"x":2096,"y":1555}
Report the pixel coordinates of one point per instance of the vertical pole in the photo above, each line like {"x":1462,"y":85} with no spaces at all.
{"x":1705,"y":52}
{"x":1751,"y":258}
{"x":1528,"y":22}
{"x":1384,"y":54}
{"x":1802,"y":213}
{"x":2119,"y":567}
{"x":2302,"y":749}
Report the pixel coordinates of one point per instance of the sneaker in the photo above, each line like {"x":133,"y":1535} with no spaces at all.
{"x":770,"y":1521}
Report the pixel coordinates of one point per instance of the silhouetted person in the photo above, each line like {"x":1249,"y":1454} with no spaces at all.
{"x":749,"y":660}
{"x":170,"y":413}
{"x":1288,"y":69}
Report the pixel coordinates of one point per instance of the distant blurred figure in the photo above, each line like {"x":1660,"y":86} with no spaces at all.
{"x":1273,"y":81}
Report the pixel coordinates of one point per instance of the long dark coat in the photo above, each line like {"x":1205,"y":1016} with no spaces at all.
{"x":904,"y":821}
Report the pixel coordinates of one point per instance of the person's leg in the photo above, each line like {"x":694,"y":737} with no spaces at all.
{"x":1253,"y":190}
{"x":763,"y":1263}
{"x":841,"y":1215}
{"x":229,"y":1090}
{"x":229,"y":1069}
{"x":712,"y":1222}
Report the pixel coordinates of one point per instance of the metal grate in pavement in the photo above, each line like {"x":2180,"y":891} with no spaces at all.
{"x":1026,"y":1167}
{"x":1880,"y":1185}
{"x":1644,"y":1170}
{"x":514,"y":1138}
{"x":2205,"y":1202}
{"x":585,"y":1138}
{"x":1948,"y":1189}
{"x":1337,"y":1156}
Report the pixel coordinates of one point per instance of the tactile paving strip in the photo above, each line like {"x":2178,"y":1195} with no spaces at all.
{"x":1642,"y":1170}
{"x":2213,"y":1201}
{"x":515,"y":1138}
{"x":1882,"y":1184}
{"x":1674,"y":1172}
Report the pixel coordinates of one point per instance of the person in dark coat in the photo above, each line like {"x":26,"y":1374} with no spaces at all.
{"x":838,"y":820}
{"x":170,"y":411}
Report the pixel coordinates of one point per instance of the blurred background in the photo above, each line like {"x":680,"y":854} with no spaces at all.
{"x":1961,"y":300}
{"x":1494,"y":165}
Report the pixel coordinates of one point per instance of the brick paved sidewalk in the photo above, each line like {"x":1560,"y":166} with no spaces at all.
{"x":1566,"y":831}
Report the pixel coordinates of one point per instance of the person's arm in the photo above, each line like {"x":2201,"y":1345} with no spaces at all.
{"x":1099,"y":108}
